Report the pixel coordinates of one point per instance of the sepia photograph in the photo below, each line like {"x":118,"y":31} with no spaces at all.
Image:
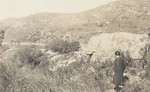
{"x":75,"y":46}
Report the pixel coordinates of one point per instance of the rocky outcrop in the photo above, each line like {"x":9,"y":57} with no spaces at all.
{"x":104,"y":45}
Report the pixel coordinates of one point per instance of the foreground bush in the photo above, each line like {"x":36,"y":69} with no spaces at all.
{"x":4,"y":77}
{"x":31,"y":72}
{"x":62,"y":46}
{"x":29,"y":56}
{"x":28,"y":71}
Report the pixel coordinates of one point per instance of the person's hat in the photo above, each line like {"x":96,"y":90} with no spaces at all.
{"x":2,"y":31}
{"x":148,"y":34}
{"x":117,"y":53}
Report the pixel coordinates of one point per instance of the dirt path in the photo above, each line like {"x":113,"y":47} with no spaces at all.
{"x":23,"y":44}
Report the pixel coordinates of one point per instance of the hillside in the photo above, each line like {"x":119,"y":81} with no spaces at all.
{"x":121,"y":15}
{"x":32,"y":65}
{"x":76,"y":71}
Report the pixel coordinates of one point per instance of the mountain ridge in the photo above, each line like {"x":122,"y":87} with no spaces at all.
{"x":117,"y":16}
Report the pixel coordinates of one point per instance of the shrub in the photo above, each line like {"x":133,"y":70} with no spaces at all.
{"x":28,"y":71}
{"x":62,"y":46}
{"x":29,"y":56}
{"x":4,"y":78}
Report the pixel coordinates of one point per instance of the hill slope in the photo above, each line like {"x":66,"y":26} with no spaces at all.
{"x":122,"y":15}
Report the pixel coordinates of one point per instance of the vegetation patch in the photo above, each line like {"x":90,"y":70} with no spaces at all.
{"x":63,"y":47}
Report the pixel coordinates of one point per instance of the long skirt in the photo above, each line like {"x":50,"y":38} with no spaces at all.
{"x":118,"y":78}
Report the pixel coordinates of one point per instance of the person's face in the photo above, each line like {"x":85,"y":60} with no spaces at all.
{"x":117,"y":56}
{"x":149,"y":35}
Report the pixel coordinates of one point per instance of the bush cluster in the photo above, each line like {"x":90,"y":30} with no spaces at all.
{"x":29,"y":56}
{"x":63,"y":47}
{"x":27,"y":70}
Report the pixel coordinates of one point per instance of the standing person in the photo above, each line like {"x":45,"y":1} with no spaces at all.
{"x":148,"y":43}
{"x":2,"y":33}
{"x":147,"y":47}
{"x":119,"y":67}
{"x":146,"y":53}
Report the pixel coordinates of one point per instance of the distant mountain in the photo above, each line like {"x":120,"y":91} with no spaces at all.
{"x":121,"y":15}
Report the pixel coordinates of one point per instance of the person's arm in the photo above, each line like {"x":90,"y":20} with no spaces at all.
{"x":114,"y":67}
{"x":123,"y":64}
{"x":115,"y":64}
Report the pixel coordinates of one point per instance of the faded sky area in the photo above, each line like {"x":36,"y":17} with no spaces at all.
{"x":20,"y":8}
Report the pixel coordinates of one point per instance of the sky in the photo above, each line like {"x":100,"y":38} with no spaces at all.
{"x":21,"y":8}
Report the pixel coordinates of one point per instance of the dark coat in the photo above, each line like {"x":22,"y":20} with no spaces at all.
{"x":147,"y":47}
{"x":119,"y":67}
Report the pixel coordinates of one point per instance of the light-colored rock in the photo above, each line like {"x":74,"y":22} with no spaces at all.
{"x":110,"y":91}
{"x":9,"y":54}
{"x":133,"y":79}
{"x":105,"y":44}
{"x":142,"y":74}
